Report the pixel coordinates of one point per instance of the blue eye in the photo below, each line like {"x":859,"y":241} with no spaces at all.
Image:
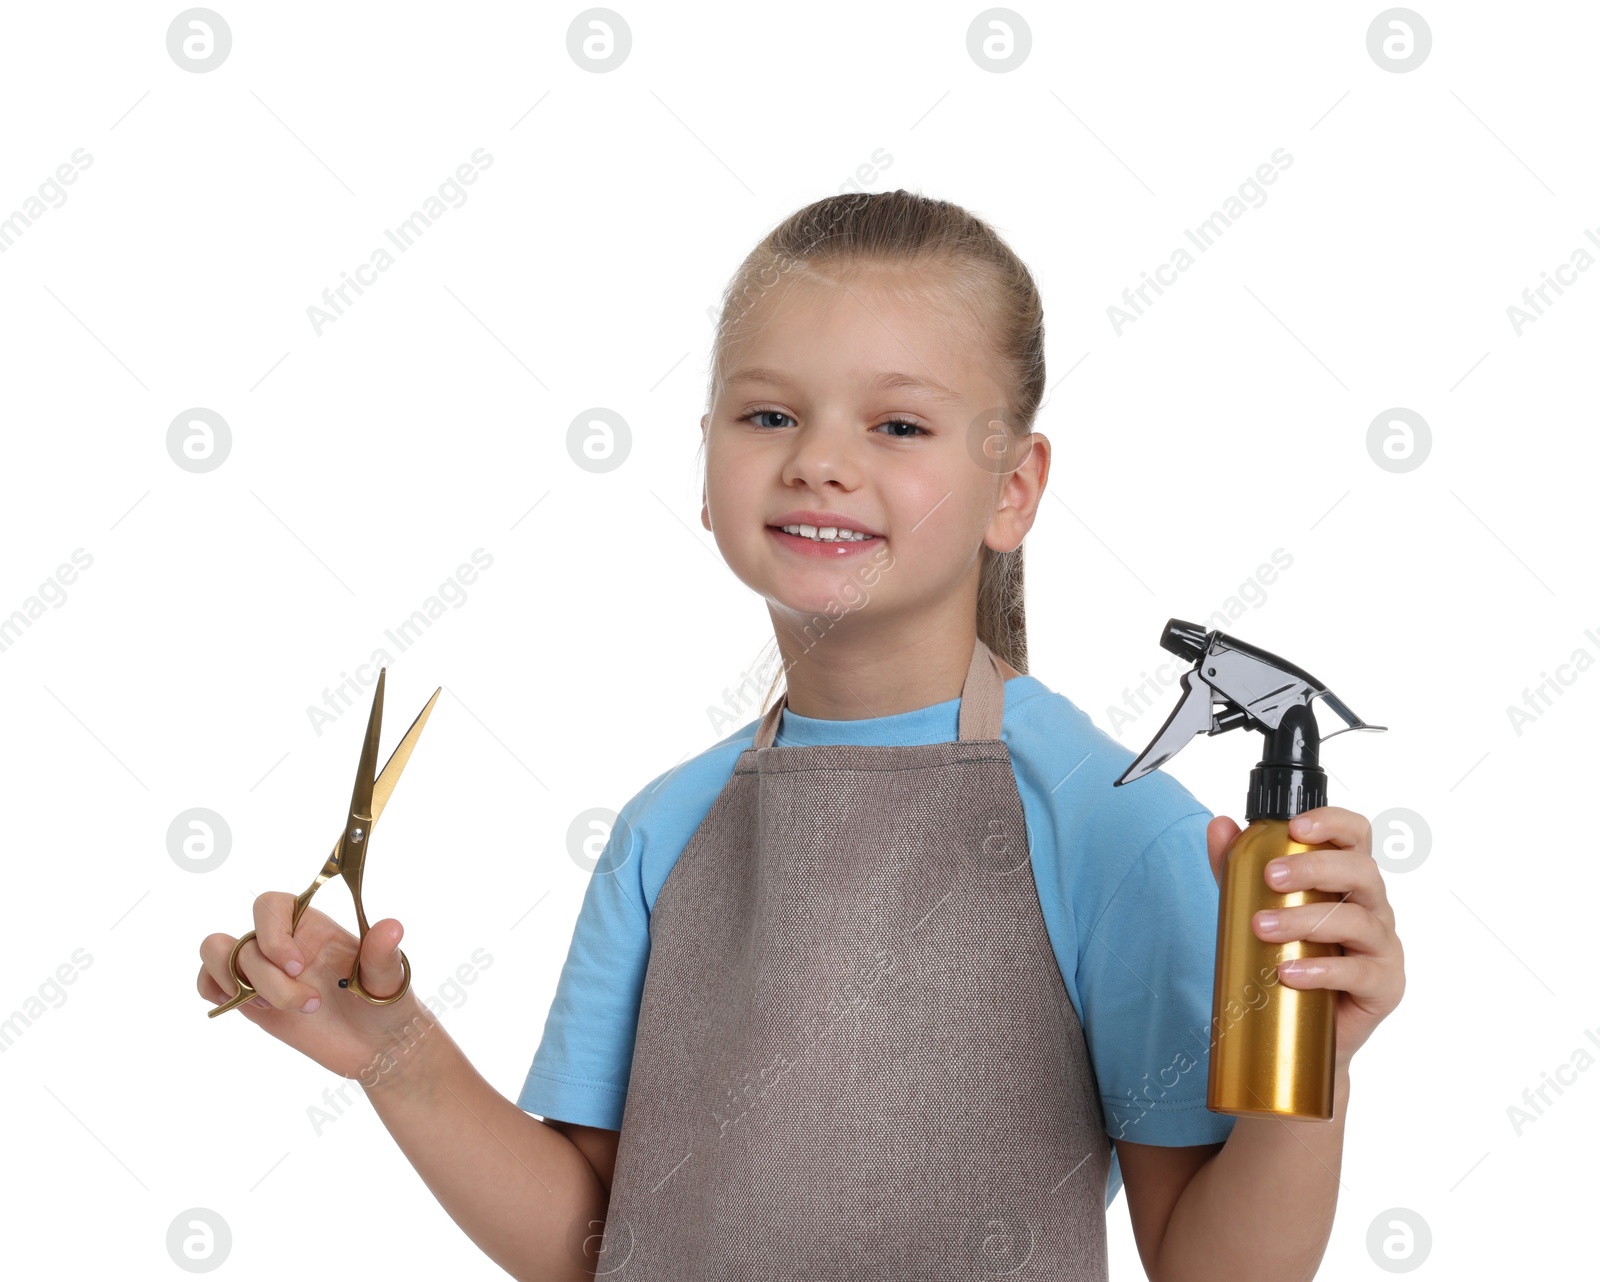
{"x":758,"y":413}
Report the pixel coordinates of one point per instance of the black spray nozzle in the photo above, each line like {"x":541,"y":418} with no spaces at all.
{"x":1257,"y":690}
{"x":1184,"y":640}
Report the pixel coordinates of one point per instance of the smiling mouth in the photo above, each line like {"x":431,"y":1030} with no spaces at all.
{"x":825,"y":533}
{"x":842,"y":543}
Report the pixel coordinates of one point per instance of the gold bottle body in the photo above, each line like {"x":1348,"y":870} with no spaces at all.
{"x":1272,"y":1046}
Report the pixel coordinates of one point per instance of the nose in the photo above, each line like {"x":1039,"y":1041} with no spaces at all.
{"x":823,"y":450}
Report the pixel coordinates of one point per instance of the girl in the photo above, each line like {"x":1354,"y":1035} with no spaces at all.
{"x":891,"y":982}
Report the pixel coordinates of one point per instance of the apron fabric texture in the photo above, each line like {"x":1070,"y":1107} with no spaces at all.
{"x":855,"y":1054}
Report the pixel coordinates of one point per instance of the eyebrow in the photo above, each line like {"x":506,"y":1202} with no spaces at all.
{"x":885,"y":382}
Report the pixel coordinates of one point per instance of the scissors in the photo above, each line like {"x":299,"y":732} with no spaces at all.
{"x":349,"y":852}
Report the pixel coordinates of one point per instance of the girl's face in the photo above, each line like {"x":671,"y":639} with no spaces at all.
{"x":848,"y":405}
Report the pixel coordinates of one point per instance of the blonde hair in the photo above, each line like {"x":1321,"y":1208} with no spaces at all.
{"x":997,"y":304}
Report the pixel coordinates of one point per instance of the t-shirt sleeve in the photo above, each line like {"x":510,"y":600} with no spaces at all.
{"x":1145,"y":978}
{"x":580,"y":1070}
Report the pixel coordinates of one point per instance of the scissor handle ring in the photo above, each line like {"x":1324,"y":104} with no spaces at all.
{"x":233,"y":965}
{"x":354,"y":983}
{"x":244,"y":992}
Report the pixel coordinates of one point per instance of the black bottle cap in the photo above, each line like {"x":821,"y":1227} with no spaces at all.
{"x":1282,"y":792}
{"x":1288,"y":779}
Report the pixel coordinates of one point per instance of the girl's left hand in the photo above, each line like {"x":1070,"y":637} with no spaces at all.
{"x":1371,"y":976}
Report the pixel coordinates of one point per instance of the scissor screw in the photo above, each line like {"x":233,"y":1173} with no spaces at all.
{"x":356,"y":834}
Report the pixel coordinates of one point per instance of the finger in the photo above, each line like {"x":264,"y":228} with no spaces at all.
{"x":216,"y":982}
{"x":1332,"y":823}
{"x":1351,"y":874}
{"x":381,"y":970}
{"x":274,"y":913}
{"x":1367,"y":981}
{"x":1356,"y":928}
{"x":272,"y":986}
{"x":1220,"y":834}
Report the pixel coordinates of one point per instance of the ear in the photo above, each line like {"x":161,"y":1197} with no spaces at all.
{"x":1020,"y":495}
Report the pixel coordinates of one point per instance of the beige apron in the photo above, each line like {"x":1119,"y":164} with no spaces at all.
{"x":856,"y":1056}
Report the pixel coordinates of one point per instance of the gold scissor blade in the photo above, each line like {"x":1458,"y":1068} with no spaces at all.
{"x":361,"y":796}
{"x":390,"y":774}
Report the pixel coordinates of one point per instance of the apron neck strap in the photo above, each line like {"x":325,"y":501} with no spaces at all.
{"x":983,"y":702}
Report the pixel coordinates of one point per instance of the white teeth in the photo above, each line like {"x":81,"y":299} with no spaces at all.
{"x":827,"y":534}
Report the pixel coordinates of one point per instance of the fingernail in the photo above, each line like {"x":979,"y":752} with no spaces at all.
{"x":1267,"y":921}
{"x":1278,"y":872}
{"x":293,"y":967}
{"x":261,"y":1002}
{"x":311,"y":1004}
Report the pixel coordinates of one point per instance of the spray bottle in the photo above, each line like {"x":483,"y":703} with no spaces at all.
{"x":1272,"y":1045}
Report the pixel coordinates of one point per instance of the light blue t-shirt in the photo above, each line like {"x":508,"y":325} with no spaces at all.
{"x":1129,"y":902}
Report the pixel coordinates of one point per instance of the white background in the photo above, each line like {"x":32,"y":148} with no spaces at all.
{"x":431,"y":419}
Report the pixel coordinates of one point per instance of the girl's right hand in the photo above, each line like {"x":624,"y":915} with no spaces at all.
{"x":342,"y":1031}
